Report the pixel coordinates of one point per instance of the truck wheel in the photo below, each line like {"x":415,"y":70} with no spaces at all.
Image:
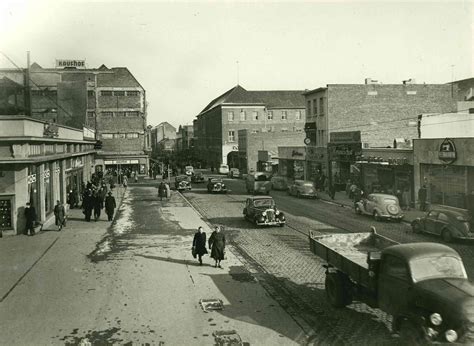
{"x":335,"y":290}
{"x":446,"y":235}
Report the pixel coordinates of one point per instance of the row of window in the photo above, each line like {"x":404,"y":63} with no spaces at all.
{"x":116,"y":93}
{"x":231,"y":133}
{"x":130,"y":135}
{"x":48,"y":149}
{"x":115,"y":114}
{"x":243,"y":115}
{"x":47,"y":93}
{"x":316,"y":108}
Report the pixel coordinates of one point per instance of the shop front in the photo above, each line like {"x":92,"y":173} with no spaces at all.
{"x":292,"y":162}
{"x":317,"y":165}
{"x":343,"y":150}
{"x":446,"y":168}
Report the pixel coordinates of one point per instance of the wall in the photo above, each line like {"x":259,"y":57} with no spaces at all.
{"x":383,"y":117}
{"x":447,"y":125}
{"x":11,"y":127}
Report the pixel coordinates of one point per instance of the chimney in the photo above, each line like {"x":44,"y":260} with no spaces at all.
{"x":409,"y":81}
{"x":371,"y":81}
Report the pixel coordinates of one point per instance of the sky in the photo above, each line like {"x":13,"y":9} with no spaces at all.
{"x":187,"y":53}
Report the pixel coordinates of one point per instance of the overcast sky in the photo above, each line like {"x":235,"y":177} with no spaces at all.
{"x":185,"y":54}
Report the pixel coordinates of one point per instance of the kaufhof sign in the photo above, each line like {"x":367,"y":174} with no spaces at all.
{"x":62,"y":63}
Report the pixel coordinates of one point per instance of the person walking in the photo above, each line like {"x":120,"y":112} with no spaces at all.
{"x":161,"y":191}
{"x":422,"y":197}
{"x":217,"y":246}
{"x":88,"y":204}
{"x":30,"y":215}
{"x":72,"y":199}
{"x":199,"y":244}
{"x":356,"y":194}
{"x":59,"y":215}
{"x":125,"y":181}
{"x":110,"y":206}
{"x":406,"y":199}
{"x":97,"y":204}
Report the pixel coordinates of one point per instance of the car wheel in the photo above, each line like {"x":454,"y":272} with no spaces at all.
{"x":376,"y":216}
{"x":298,"y":194}
{"x":357,"y":210}
{"x":446,"y":235}
{"x":335,"y":290}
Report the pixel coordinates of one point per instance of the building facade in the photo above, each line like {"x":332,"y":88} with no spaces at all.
{"x":163,"y":140}
{"x":40,"y":163}
{"x":217,"y":126}
{"x":379,"y":113}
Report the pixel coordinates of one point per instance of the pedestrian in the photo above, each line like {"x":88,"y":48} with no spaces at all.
{"x":356,"y":194}
{"x":88,"y":204}
{"x":135,"y":177}
{"x":72,"y":199}
{"x":398,"y":194}
{"x":199,"y":244}
{"x":217,"y":246}
{"x":97,"y":205}
{"x":161,"y":191}
{"x":332,"y":191}
{"x":422,"y":197}
{"x":125,"y":181}
{"x":110,"y":206}
{"x":406,"y":199}
{"x":59,"y":215}
{"x":30,"y":215}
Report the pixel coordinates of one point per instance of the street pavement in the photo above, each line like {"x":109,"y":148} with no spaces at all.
{"x":133,"y":281}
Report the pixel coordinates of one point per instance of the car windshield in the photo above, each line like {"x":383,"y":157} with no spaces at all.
{"x":216,"y":181}
{"x":262,"y":177}
{"x":267,"y":202}
{"x":308,"y":184}
{"x":224,"y":166}
{"x":437,"y":267}
{"x":189,"y":168}
{"x":390,"y":200}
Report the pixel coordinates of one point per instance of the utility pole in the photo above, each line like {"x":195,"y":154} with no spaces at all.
{"x":27,"y":86}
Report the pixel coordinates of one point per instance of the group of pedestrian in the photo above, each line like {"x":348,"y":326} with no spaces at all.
{"x":216,"y":245}
{"x":163,"y":190}
{"x":94,"y":199}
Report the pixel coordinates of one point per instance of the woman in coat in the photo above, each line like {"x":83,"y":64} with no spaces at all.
{"x":199,"y":244}
{"x":217,"y":246}
{"x":110,"y":205}
{"x":60,"y":215}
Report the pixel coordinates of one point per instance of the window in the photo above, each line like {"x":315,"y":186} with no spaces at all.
{"x":284,"y":115}
{"x":254,"y":131}
{"x":133,"y":93}
{"x":119,"y":114}
{"x":321,"y":105}
{"x":107,"y":114}
{"x":254,"y":115}
{"x":132,"y":114}
{"x":106,"y":93}
{"x":243,"y":116}
{"x":119,"y":135}
{"x":231,"y":136}
{"x":119,"y":93}
{"x":309,"y":107}
{"x":298,"y":115}
{"x":107,"y":136}
{"x":395,"y":268}
{"x":270,"y":115}
{"x":132,"y":135}
{"x":90,"y":114}
{"x":284,"y":129}
{"x":443,"y":217}
{"x":230,"y":116}
{"x":315,"y":106}
{"x":90,"y":93}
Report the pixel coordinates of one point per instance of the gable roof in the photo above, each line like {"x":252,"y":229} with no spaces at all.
{"x":268,"y":98}
{"x":121,"y":77}
{"x":6,"y":82}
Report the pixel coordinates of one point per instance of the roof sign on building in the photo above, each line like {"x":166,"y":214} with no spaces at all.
{"x":62,"y":63}
{"x":447,"y":151}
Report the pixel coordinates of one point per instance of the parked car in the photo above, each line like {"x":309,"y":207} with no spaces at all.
{"x":263,"y":212}
{"x":233,"y":173}
{"x":380,"y":206}
{"x":189,"y":170}
{"x":302,"y":188}
{"x":424,"y":286}
{"x":198,"y":177}
{"x":223,"y":169}
{"x":449,"y":224}
{"x":258,"y":182}
{"x":279,"y":183}
{"x":216,"y":185}
{"x":182,"y":183}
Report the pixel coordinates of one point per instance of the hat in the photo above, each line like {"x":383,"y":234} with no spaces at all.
{"x":110,"y":192}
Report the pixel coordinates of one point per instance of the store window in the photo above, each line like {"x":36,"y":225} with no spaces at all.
{"x":446,"y":185}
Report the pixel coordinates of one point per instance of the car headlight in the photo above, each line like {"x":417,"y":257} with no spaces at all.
{"x":264,"y":213}
{"x":222,"y":185}
{"x":451,"y":335}
{"x":436,"y":319}
{"x":277,"y":212}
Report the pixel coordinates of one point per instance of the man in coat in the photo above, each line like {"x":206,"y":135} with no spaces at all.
{"x":30,"y":215}
{"x":199,"y":244}
{"x":59,"y":215}
{"x":88,"y":204}
{"x":110,"y":206}
{"x":217,"y":246}
{"x":161,"y":191}
{"x":97,"y":204}
{"x":422,"y":197}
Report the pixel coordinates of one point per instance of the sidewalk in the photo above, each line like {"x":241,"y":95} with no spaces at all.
{"x":342,"y":199}
{"x":19,"y":253}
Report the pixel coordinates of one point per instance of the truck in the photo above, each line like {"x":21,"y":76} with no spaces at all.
{"x":424,"y":286}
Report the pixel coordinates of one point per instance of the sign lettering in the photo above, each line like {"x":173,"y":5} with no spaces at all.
{"x":61,"y":63}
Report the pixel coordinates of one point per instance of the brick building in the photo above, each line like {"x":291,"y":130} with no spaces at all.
{"x":216,"y":127}
{"x":366,"y":115}
{"x":110,"y":100}
{"x":163,"y":140}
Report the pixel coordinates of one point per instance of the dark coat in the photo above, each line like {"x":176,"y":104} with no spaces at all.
{"x":110,"y":204}
{"x":199,"y":243}
{"x":422,"y":194}
{"x":59,"y":213}
{"x":30,"y":215}
{"x":217,"y":245}
{"x":162,"y":190}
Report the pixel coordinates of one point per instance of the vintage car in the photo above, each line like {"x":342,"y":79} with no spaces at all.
{"x":263,"y":212}
{"x":381,"y":206}
{"x":223,"y":169}
{"x":233,"y":173}
{"x":216,"y":185}
{"x":302,"y":188}
{"x":189,"y":170}
{"x":182,"y":183}
{"x":279,"y":183}
{"x":444,"y":222}
{"x":198,"y":177}
{"x":258,"y":182}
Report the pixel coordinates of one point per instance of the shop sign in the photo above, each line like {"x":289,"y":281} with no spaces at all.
{"x":296,"y":153}
{"x":46,"y":174}
{"x":345,"y":137}
{"x":344,"y":152}
{"x":447,"y":151}
{"x":31,"y":178}
{"x":62,"y":63}
{"x":314,"y":154}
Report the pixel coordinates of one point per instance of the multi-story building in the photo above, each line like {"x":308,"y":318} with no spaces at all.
{"x":163,"y":139}
{"x":344,"y":118}
{"x":110,"y":100}
{"x":216,"y":126}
